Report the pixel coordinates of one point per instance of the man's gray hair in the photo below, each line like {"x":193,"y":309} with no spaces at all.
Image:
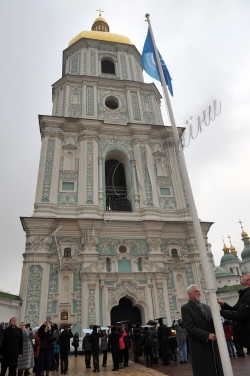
{"x":190,"y":288}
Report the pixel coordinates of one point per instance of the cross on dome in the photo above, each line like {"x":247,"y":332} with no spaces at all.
{"x":100,"y":11}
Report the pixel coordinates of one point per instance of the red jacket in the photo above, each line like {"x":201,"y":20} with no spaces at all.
{"x":228,"y":332}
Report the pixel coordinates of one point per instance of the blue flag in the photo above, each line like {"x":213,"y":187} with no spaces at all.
{"x":148,"y":61}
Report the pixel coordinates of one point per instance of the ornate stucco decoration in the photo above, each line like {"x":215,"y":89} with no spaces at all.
{"x":68,"y":267}
{"x":120,"y":288}
{"x":154,"y":244}
{"x":177,"y":264}
{"x":90,"y":242}
{"x":98,"y":266}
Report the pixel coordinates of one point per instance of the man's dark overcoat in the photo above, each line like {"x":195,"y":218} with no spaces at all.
{"x":240,"y":313}
{"x":204,"y":352}
{"x":12,"y":345}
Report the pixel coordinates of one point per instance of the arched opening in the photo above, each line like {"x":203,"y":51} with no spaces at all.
{"x":125,"y":311}
{"x":118,"y":181}
{"x":108,"y":67}
{"x":64,"y":315}
{"x":174,"y":252}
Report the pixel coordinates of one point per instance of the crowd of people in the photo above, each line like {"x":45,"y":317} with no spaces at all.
{"x":47,"y":349}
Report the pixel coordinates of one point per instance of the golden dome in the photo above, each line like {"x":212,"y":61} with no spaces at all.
{"x":100,"y":35}
{"x":100,"y":31}
{"x":244,"y":234}
{"x":225,"y":249}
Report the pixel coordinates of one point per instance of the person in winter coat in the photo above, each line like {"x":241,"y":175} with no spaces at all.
{"x":64,"y":341}
{"x":1,"y":335}
{"x":56,"y":345}
{"x":104,"y":347}
{"x":122,"y":346}
{"x":75,"y":343}
{"x":228,"y":335}
{"x":94,"y":340}
{"x":198,"y":322}
{"x":86,"y":346}
{"x":240,"y":312}
{"x":126,"y":340}
{"x":148,"y":341}
{"x":181,"y":336}
{"x":172,"y":343}
{"x":46,"y":360}
{"x":12,"y":348}
{"x":163,"y":333}
{"x":138,"y":346}
{"x":114,"y":337}
{"x":27,"y":360}
{"x":155,"y":352}
{"x":37,"y":351}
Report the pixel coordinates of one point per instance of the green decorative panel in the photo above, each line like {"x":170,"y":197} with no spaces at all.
{"x":174,"y":302}
{"x":75,"y":64}
{"x":142,"y":282}
{"x":90,"y":100}
{"x":131,"y":68}
{"x":48,"y":171}
{"x":84,"y":62}
{"x":33,"y":295}
{"x":64,"y":101}
{"x":90,"y":181}
{"x":170,"y":285}
{"x":124,"y":67}
{"x":189,"y":274}
{"x":146,"y":177}
{"x":168,"y":204}
{"x":203,"y":283}
{"x":91,"y":307}
{"x":111,"y":246}
{"x":117,"y":116}
{"x":109,"y":283}
{"x":74,"y":243}
{"x":124,"y":265}
{"x":92,"y":63}
{"x":161,"y":300}
{"x":135,"y":106}
{"x":77,"y":288}
{"x":147,"y":109}
{"x":75,"y":102}
{"x":53,"y":287}
{"x":67,"y":198}
{"x":57,"y":103}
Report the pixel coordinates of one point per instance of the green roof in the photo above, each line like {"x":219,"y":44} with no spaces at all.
{"x":245,"y":254}
{"x":229,"y":257}
{"x":219,"y":272}
{"x":9,"y":296}
{"x":229,"y":288}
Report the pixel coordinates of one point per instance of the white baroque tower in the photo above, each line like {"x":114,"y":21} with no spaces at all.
{"x":109,"y":183}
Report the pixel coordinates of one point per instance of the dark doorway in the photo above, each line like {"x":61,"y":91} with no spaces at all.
{"x":125,"y":311}
{"x":116,"y":189}
{"x":108,"y":67}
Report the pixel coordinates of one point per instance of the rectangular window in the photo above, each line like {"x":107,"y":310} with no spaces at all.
{"x":67,"y":186}
{"x":165,"y":192}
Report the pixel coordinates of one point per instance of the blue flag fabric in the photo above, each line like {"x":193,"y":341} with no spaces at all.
{"x":148,"y":61}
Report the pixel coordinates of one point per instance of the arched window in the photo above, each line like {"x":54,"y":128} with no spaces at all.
{"x":231,"y":270}
{"x":67,"y":252}
{"x":108,"y":67}
{"x":64,"y":315}
{"x":174,"y":252}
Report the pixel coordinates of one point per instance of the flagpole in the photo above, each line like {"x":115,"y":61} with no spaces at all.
{"x":225,"y":360}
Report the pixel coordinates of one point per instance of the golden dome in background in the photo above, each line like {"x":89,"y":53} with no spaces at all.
{"x":100,"y":31}
{"x":244,"y":234}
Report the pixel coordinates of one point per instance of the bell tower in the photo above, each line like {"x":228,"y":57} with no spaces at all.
{"x":111,"y":218}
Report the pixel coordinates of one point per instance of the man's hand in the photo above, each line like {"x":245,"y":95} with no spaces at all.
{"x":219,"y":301}
{"x":212,"y":337}
{"x":20,"y":355}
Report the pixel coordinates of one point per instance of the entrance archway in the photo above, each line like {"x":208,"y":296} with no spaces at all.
{"x":125,"y":311}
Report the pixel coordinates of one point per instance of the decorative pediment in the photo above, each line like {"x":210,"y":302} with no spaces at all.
{"x":178,"y":265}
{"x":122,"y":288}
{"x":98,"y":266}
{"x":68,"y":267}
{"x":159,"y":154}
{"x":69,"y":147}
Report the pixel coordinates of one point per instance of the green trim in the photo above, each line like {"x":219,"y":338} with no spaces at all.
{"x":9,"y":296}
{"x":229,"y":288}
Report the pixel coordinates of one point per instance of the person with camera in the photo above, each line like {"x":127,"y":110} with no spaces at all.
{"x":27,"y":360}
{"x":64,"y":341}
{"x":46,"y":360}
{"x":12,"y":348}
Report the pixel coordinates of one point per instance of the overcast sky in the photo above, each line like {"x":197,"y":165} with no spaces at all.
{"x":205,"y":45}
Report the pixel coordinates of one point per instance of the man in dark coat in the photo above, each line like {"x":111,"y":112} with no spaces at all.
{"x":94,"y":340}
{"x":240,"y":312}
{"x":114,"y":345}
{"x":1,"y":335}
{"x":198,"y":322}
{"x":64,"y":340}
{"x":163,"y":333}
{"x":12,"y":348}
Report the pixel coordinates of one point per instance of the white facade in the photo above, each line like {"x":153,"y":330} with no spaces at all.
{"x":110,"y":185}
